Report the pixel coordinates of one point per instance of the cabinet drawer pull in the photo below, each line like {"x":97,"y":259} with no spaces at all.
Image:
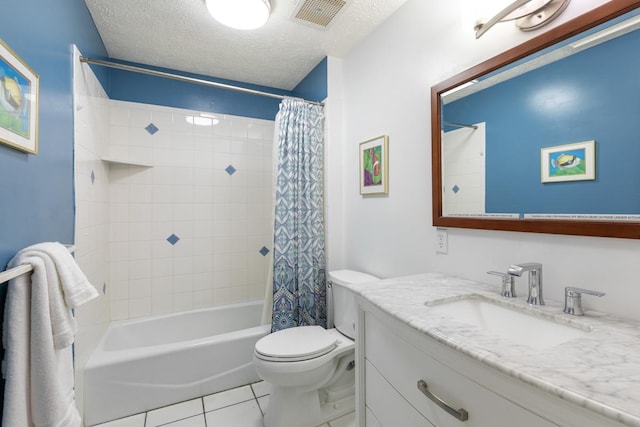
{"x":460,"y":414}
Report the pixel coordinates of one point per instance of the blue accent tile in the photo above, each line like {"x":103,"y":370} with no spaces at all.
{"x":151,"y":128}
{"x":173,"y":239}
{"x":93,"y":177}
{"x":230,"y":170}
{"x":456,"y":189}
{"x":264,"y":251}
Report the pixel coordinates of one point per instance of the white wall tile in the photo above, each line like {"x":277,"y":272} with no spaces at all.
{"x":139,"y":269}
{"x":140,"y":288}
{"x":162,"y":304}
{"x":183,"y":301}
{"x":118,"y":114}
{"x":162,"y":285}
{"x":162,"y":119}
{"x":119,"y":290}
{"x":187,"y":193}
{"x":139,"y":307}
{"x":119,"y":310}
{"x":139,"y":118}
{"x":221,"y":296}
{"x":203,"y":298}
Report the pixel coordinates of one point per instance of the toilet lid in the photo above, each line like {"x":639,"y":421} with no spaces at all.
{"x":296,"y":344}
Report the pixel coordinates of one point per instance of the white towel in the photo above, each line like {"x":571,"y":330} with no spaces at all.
{"x":38,"y":332}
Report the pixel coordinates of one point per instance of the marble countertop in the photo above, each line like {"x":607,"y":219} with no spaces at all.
{"x":600,"y":371}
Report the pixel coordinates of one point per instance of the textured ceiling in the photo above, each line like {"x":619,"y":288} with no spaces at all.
{"x":181,"y":35}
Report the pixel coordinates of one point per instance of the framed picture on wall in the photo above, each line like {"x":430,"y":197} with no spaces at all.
{"x":18,"y":102}
{"x":374,"y":166}
{"x":570,"y":162}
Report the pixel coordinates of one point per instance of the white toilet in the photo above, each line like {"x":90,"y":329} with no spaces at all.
{"x":311,"y":369}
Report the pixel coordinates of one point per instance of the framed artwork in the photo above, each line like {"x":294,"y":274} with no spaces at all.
{"x":570,"y":162}
{"x":374,"y":166}
{"x":18,"y":102}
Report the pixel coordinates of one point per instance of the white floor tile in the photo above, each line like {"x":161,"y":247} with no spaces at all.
{"x":132,"y":421}
{"x":261,"y":389}
{"x":246,"y":414}
{"x":197,"y":421}
{"x":348,"y":420}
{"x":175,"y":412}
{"x":227,"y":398}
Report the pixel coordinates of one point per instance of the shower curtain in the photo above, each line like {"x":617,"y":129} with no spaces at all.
{"x":299,"y":276}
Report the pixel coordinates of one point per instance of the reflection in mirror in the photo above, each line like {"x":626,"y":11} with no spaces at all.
{"x":515,"y":142}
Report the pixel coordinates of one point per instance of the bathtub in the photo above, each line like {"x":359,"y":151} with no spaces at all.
{"x":146,"y":363}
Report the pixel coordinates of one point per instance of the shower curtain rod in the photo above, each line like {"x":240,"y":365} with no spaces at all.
{"x":187,"y":79}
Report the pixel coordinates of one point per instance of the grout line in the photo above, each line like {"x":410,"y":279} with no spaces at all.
{"x":256,"y":398}
{"x":204,"y":415}
{"x":182,"y":419}
{"x":232,"y":404}
{"x":253,"y":391}
{"x":260,"y":407}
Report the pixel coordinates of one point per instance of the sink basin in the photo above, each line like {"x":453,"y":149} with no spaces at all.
{"x":510,"y":324}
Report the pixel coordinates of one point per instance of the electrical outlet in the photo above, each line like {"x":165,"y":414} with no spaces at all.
{"x":442,"y":242}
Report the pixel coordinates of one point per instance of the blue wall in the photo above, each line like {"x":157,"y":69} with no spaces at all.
{"x":592,"y":95}
{"x":37,"y":190}
{"x":314,"y":86}
{"x":134,"y":87}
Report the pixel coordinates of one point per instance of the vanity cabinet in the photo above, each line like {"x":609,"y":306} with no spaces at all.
{"x":393,"y":358}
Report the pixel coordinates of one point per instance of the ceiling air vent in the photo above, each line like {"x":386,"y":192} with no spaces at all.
{"x":317,"y":13}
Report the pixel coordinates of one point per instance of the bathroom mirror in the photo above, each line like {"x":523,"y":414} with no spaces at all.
{"x":545,"y":137}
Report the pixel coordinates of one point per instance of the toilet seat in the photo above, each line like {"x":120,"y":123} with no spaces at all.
{"x":296,"y":344}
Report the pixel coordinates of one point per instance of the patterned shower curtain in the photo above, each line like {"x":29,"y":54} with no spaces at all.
{"x":299,"y":276}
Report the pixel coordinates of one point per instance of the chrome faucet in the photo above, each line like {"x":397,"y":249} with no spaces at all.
{"x":535,"y":280}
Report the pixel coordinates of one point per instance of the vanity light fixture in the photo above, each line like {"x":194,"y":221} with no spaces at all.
{"x":240,"y":14}
{"x":528,"y":14}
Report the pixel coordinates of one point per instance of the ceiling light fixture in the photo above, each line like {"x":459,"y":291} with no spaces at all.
{"x":528,"y":14}
{"x":240,"y":14}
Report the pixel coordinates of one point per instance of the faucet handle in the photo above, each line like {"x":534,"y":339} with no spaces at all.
{"x":508,"y":287}
{"x":573,"y":299}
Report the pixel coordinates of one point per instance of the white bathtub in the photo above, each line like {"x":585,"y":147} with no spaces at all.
{"x":142,"y":364}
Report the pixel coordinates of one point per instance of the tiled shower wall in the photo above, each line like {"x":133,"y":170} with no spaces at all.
{"x":193,"y":229}
{"x":91,"y":131}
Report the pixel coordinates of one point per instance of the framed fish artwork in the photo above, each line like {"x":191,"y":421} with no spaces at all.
{"x":18,"y":102}
{"x":569,"y":162}
{"x":374,"y":166}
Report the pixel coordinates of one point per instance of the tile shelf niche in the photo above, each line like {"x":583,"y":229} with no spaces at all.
{"x":112,"y":160}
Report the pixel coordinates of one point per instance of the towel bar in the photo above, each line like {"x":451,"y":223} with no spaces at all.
{"x":14,"y":272}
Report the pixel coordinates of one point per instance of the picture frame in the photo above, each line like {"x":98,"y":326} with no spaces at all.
{"x":19,"y":91}
{"x":374,"y":166}
{"x":568,"y":162}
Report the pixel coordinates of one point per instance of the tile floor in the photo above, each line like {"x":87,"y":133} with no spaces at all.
{"x":238,"y":407}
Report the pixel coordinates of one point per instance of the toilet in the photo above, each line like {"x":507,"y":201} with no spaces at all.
{"x":311,"y":369}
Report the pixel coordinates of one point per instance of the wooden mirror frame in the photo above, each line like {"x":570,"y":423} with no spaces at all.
{"x":623,"y":229}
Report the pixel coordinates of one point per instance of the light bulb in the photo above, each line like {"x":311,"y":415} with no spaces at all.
{"x":240,"y":14}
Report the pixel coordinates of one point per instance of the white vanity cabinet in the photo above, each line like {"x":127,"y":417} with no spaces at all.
{"x":393,"y":357}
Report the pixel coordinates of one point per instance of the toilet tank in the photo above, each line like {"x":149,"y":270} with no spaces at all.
{"x":344,"y":301}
